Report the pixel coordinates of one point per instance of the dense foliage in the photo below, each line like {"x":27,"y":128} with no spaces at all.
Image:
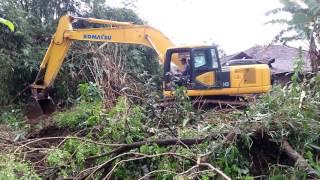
{"x":303,"y":24}
{"x":22,"y":51}
{"x":240,"y":144}
{"x":117,"y":127}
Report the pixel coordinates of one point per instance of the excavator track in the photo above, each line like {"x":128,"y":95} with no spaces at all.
{"x":214,"y":102}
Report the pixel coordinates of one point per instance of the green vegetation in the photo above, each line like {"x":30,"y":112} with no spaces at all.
{"x":302,"y":25}
{"x":22,"y":51}
{"x":113,"y":126}
{"x":11,"y":168}
{"x":234,"y":141}
{"x":7,"y":23}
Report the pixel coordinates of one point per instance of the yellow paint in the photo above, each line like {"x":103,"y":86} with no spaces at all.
{"x":134,"y":34}
{"x":225,"y":91}
{"x":207,"y":78}
{"x":103,"y":21}
{"x":241,"y":79}
{"x":121,"y":32}
{"x":244,"y":79}
{"x":257,"y":75}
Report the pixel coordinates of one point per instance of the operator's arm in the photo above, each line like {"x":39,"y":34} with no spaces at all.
{"x":122,"y":32}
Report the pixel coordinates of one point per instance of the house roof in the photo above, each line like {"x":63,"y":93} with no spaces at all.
{"x":284,"y":57}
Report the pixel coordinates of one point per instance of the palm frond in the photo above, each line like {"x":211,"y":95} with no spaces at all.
{"x":314,"y":6}
{"x":277,"y":21}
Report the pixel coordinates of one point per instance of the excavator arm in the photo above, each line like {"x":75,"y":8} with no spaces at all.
{"x":116,"y":32}
{"x":122,"y":32}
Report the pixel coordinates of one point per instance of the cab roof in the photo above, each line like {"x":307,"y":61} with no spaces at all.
{"x":191,"y":47}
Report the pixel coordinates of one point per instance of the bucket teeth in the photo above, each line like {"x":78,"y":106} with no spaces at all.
{"x":38,"y":107}
{"x":33,"y":109}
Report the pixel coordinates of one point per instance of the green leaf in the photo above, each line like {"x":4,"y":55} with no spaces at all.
{"x":93,"y":120}
{"x":278,"y":177}
{"x":56,"y":157}
{"x":144,"y":149}
{"x":284,"y":1}
{"x":300,"y":18}
{"x":7,"y":23}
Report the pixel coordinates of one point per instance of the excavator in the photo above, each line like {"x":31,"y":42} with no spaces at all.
{"x":205,"y":76}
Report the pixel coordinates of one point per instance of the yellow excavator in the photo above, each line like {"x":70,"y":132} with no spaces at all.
{"x":199,"y":66}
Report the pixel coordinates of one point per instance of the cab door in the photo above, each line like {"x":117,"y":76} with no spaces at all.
{"x":173,"y":75}
{"x":205,"y":69}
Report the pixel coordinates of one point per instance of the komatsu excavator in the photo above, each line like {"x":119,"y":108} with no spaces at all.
{"x":204,"y":78}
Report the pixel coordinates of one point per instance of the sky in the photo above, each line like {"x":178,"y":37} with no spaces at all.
{"x":235,"y":25}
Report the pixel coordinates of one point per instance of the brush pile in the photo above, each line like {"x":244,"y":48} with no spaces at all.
{"x":115,"y":131}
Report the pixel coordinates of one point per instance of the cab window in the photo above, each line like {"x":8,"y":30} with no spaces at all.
{"x":200,"y":59}
{"x":205,"y":59}
{"x":214,"y":59}
{"x":178,"y":57}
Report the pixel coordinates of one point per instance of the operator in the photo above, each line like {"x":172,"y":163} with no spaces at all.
{"x":181,"y":77}
{"x":185,"y":67}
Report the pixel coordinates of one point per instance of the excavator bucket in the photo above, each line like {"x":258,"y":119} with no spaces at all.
{"x":38,"y":107}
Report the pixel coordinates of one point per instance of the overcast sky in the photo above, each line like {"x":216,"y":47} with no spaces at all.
{"x":233,"y":24}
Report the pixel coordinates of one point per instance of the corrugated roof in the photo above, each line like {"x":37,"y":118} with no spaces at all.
{"x":284,"y":57}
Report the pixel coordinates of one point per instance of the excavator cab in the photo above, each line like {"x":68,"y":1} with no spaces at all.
{"x":203,"y":69}
{"x":207,"y":78}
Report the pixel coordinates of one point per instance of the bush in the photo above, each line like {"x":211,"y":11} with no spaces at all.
{"x":12,"y":169}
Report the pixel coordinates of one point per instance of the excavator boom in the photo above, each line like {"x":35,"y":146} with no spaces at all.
{"x":116,"y":32}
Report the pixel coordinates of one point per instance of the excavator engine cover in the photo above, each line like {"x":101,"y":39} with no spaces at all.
{"x":38,"y":107}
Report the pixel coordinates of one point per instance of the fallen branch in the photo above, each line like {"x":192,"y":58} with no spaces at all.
{"x":26,"y":143}
{"x":300,"y":162}
{"x":215,"y":169}
{"x":165,"y":142}
{"x":191,"y":176}
{"x":141,"y":156}
{"x":197,"y":166}
{"x":157,"y":171}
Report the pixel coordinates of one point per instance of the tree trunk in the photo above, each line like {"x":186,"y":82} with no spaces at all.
{"x":313,"y":54}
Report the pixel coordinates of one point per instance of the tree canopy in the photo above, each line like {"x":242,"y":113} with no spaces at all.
{"x":22,"y":51}
{"x":8,"y":23}
{"x":304,"y":20}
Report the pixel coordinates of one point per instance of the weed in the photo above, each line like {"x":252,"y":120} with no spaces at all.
{"x":58,"y":157}
{"x":14,"y":118}
{"x":125,"y":122}
{"x":313,"y":161}
{"x":82,"y":115}
{"x":11,"y":168}
{"x":89,"y":92}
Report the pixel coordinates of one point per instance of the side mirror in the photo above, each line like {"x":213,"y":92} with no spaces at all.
{"x":271,"y":61}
